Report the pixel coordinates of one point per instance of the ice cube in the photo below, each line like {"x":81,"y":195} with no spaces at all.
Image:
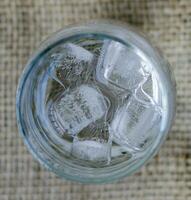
{"x":93,"y":143}
{"x":121,"y":66}
{"x":91,"y":151}
{"x":70,"y":64}
{"x":133,"y":123}
{"x":92,"y":45}
{"x":77,"y":108}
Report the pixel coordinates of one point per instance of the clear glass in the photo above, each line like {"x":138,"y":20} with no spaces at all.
{"x":95,"y":102}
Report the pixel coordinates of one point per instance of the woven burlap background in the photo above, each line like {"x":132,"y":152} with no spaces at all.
{"x":23,"y":24}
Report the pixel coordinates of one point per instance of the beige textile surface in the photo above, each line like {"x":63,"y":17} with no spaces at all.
{"x":23,"y":24}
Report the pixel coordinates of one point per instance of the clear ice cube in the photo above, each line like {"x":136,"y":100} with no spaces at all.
{"x":93,"y":143}
{"x":91,"y":150}
{"x":76,"y":108}
{"x":71,"y":64}
{"x":121,"y":66}
{"x":133,"y":123}
{"x":92,"y":45}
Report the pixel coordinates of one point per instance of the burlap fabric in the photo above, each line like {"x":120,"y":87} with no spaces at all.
{"x":23,"y":24}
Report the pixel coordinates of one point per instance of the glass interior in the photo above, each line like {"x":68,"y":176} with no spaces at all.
{"x":92,"y":105}
{"x":99,"y":100}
